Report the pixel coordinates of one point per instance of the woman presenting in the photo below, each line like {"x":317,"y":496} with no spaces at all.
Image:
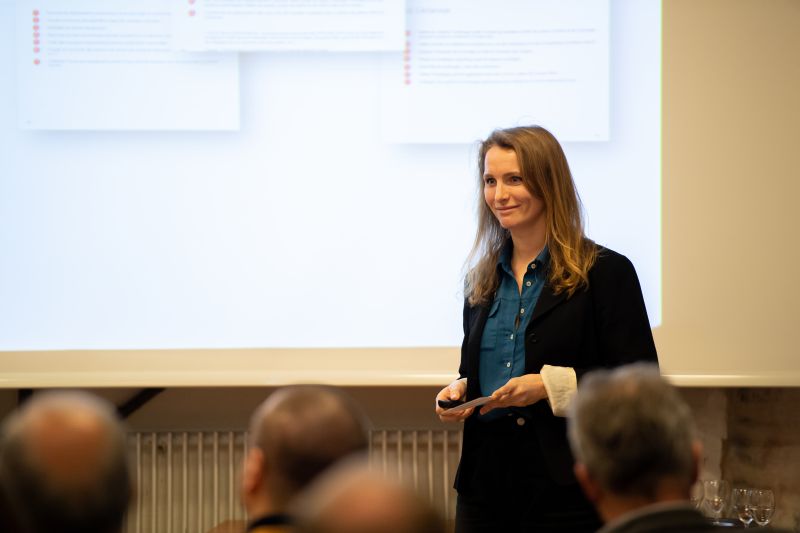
{"x":544,"y":305}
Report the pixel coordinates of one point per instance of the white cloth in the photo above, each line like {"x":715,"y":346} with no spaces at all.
{"x":561,"y":383}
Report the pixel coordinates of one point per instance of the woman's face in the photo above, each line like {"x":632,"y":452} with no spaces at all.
{"x":505,"y":193}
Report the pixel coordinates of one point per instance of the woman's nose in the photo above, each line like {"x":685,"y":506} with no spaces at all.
{"x":500,"y":192}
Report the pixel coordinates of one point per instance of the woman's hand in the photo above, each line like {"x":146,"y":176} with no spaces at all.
{"x":457,"y":390}
{"x":517,"y":392}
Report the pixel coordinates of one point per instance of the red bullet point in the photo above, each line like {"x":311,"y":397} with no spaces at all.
{"x":35,"y":61}
{"x":35,"y":12}
{"x":191,"y":13}
{"x":36,"y":50}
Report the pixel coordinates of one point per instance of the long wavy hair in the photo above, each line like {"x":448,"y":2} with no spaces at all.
{"x":546,"y":174}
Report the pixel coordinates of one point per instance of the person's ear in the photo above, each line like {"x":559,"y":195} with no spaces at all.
{"x":253,"y":470}
{"x":587,"y":483}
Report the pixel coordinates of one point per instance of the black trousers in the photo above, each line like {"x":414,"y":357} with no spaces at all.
{"x":557,"y":509}
{"x":507,"y":488}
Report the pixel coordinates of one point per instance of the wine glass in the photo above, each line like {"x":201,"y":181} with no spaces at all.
{"x":696,"y":494}
{"x":763,"y":506}
{"x":715,"y":494}
{"x":741,"y":501}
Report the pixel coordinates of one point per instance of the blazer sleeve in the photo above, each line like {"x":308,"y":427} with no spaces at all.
{"x":623,"y":329}
{"x":462,"y":367}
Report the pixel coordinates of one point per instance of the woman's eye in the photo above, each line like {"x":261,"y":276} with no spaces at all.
{"x":516,"y":179}
{"x":488,"y":181}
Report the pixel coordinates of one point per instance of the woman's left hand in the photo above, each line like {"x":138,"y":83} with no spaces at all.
{"x":517,"y":392}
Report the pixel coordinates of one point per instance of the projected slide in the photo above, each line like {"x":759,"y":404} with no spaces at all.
{"x":268,"y":25}
{"x":96,"y":65}
{"x":304,"y":228}
{"x":468,"y":66}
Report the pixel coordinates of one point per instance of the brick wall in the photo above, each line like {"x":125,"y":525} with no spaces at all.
{"x":751,"y":438}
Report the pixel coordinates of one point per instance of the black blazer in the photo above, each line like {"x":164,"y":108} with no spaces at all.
{"x":602,"y":326}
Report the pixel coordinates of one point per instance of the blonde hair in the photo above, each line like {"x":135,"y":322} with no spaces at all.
{"x":546,"y":174}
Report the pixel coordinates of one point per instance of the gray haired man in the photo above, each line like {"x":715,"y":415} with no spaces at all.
{"x":635,"y":452}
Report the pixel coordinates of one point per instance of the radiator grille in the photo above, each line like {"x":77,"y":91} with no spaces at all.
{"x":188,"y":482}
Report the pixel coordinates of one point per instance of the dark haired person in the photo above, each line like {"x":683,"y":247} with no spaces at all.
{"x":295,"y":435}
{"x":544,"y":305}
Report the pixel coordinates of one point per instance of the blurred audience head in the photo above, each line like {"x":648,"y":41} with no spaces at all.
{"x":633,"y":439}
{"x":63,"y":465}
{"x":351,"y":498}
{"x":297,"y":433}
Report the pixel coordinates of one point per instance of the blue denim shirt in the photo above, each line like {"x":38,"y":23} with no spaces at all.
{"x":503,"y":342}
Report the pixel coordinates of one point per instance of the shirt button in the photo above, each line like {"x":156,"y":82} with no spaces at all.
{"x":527,"y":283}
{"x":508,"y":365}
{"x":511,"y":336}
{"x":522,"y":311}
{"x":533,"y":266}
{"x":520,"y":421}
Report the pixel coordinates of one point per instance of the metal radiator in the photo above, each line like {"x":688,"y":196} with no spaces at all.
{"x":188,"y":482}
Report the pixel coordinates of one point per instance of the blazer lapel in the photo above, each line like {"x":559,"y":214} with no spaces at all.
{"x":547,"y":300}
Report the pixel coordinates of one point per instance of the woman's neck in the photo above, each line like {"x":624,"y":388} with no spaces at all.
{"x":527,"y":247}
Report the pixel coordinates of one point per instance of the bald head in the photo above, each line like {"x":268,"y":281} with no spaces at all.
{"x":63,"y":464}
{"x":302,"y":430}
{"x":353,"y":499}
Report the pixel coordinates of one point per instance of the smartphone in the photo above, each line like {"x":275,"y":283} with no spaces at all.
{"x":448,"y":404}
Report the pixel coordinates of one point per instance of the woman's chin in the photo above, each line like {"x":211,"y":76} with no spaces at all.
{"x":507,"y":224}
